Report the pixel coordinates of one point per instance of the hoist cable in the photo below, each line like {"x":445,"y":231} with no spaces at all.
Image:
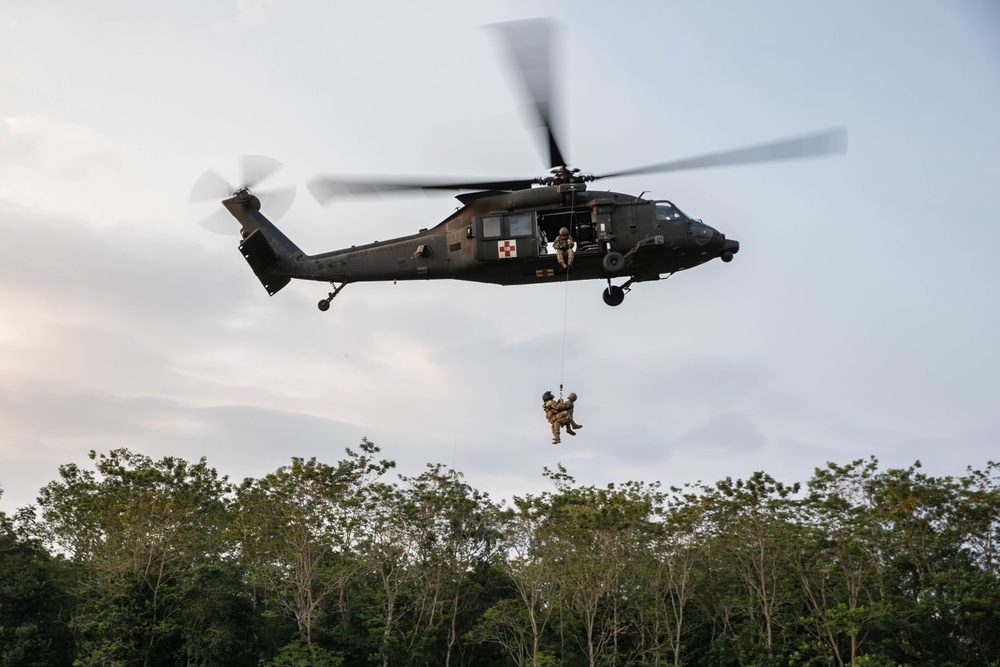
{"x":562,"y":366}
{"x":569,"y":265}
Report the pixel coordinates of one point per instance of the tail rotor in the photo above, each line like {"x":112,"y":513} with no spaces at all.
{"x":257,"y":173}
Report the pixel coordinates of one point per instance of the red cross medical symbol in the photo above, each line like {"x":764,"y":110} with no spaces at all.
{"x":507,"y":248}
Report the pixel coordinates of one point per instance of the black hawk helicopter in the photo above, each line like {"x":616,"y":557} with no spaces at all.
{"x":502,"y":231}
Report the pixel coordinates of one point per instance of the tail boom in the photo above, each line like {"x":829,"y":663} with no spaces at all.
{"x":270,"y":254}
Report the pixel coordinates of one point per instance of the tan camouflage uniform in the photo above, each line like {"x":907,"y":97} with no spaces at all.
{"x":560,"y":413}
{"x":564,"y":242}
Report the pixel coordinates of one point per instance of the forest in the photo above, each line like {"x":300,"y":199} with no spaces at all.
{"x":125,"y":560}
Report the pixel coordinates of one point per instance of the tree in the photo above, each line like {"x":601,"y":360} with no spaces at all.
{"x":592,"y":535}
{"x":664,"y":577}
{"x":840,"y":567}
{"x":519,"y":625}
{"x":297,"y":529}
{"x":752,"y":529}
{"x":133,"y":526}
{"x":32,"y":631}
{"x":453,"y":529}
{"x":937,"y":549}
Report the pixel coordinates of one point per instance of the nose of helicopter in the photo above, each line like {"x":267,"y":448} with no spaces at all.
{"x":703,"y":234}
{"x":729,"y":248}
{"x":715,"y":240}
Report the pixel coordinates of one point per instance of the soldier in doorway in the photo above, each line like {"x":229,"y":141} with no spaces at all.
{"x":564,"y":243}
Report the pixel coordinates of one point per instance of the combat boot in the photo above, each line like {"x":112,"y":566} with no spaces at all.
{"x":570,"y":430}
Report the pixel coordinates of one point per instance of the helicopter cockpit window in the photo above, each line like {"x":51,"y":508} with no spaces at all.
{"x":492,"y":227}
{"x":520,"y":224}
{"x":667,"y":211}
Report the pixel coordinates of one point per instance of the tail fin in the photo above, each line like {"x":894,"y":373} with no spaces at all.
{"x":269,"y":253}
{"x":264,"y":261}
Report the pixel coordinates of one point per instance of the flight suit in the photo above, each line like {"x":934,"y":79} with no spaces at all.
{"x":564,"y":242}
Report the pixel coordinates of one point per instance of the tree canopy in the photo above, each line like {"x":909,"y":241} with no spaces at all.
{"x":126,"y":560}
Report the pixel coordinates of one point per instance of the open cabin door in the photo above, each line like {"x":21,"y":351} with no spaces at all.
{"x":581,"y":225}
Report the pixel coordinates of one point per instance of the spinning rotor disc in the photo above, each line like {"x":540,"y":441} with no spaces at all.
{"x":253,"y":172}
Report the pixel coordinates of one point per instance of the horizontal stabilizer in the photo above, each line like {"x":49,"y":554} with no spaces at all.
{"x":264,"y":261}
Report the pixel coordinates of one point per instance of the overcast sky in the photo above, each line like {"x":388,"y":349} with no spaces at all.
{"x":860,"y":317}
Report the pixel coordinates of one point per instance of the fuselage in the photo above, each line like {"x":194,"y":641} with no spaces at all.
{"x":503,"y":238}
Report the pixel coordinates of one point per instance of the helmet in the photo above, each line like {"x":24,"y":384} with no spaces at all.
{"x":547,"y":396}
{"x":564,"y":232}
{"x":571,"y":396}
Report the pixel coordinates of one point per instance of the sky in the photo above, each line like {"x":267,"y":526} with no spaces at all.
{"x":859,"y":319}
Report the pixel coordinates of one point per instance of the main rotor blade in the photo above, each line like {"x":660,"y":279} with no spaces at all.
{"x":529,"y":45}
{"x":813,"y":145}
{"x":275,"y":202}
{"x":325,"y":189}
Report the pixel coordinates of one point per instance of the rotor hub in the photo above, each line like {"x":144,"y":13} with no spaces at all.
{"x":564,"y":174}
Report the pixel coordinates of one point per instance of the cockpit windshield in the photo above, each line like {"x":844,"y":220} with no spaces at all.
{"x":667,"y":211}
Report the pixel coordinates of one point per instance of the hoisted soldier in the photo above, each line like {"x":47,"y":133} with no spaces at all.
{"x":565,"y":415}
{"x":549,"y":405}
{"x":564,"y":242}
{"x":560,"y":413}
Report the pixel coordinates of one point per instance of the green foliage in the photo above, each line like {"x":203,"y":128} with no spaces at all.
{"x":300,"y":654}
{"x":297,"y":530}
{"x":164,"y":563}
{"x":31,"y":629}
{"x":136,"y":527}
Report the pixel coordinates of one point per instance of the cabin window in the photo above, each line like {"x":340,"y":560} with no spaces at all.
{"x":511,"y":225}
{"x":519,"y":224}
{"x":492,"y":227}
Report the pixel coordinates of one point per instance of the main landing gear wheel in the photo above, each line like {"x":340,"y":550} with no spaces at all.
{"x":613,"y":262}
{"x":613,"y":295}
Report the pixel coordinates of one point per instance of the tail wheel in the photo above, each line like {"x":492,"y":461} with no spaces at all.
{"x":324,"y":304}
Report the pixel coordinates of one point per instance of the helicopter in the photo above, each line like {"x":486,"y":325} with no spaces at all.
{"x":502,"y":232}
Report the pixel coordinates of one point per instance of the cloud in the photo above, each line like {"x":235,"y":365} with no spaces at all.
{"x":827,"y":339}
{"x":721,"y":434}
{"x":258,"y":11}
{"x":39,"y":153}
